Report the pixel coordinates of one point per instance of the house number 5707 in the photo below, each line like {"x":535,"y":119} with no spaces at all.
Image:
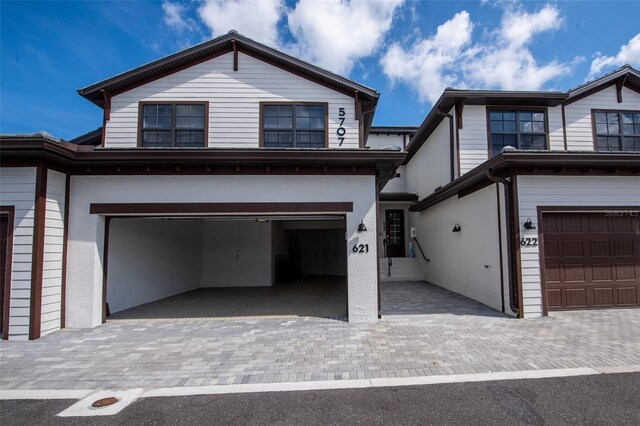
{"x":341,"y":131}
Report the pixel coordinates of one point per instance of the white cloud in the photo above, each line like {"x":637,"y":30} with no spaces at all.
{"x":501,"y":59}
{"x":174,"y":16}
{"x":427,"y":65}
{"x":505,"y":61}
{"x":256,"y":19}
{"x":335,"y":34}
{"x":628,"y":54}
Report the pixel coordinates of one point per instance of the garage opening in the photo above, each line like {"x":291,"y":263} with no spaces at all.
{"x":213,"y":267}
{"x":591,"y":260}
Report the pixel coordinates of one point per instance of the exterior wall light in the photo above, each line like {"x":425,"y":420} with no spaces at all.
{"x":361,"y":227}
{"x":456,"y":228}
{"x":529,"y":225}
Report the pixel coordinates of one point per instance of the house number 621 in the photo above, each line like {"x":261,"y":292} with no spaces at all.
{"x":341,"y":131}
{"x":360,"y":248}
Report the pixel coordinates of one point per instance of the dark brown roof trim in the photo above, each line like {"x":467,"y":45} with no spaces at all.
{"x":398,"y":196}
{"x":218,"y":208}
{"x":204,"y":51}
{"x":452,"y":97}
{"x":394,"y":130}
{"x":549,"y":163}
{"x":93,"y":137}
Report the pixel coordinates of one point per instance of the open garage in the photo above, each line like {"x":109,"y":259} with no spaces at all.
{"x":226,"y":266}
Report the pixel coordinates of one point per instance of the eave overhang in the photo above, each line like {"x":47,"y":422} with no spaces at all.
{"x":452,"y":97}
{"x":535,"y":163}
{"x":212,"y":48}
{"x":83,"y":159}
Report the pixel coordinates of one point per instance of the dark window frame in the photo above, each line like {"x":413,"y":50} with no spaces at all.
{"x":517,"y":110}
{"x":142,"y":104}
{"x":619,"y":135}
{"x":293,"y":129}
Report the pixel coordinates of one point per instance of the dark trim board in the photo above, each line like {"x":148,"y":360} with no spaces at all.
{"x":35,"y":311}
{"x":105,"y":266}
{"x":9,"y":211}
{"x":65,"y":244}
{"x":217,"y":208}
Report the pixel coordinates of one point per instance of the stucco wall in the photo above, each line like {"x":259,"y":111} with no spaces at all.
{"x":150,"y":259}
{"x":86,"y":231}
{"x":458,"y":259}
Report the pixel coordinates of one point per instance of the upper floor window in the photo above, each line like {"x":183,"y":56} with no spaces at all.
{"x":294,"y":125}
{"x":519,"y":128}
{"x":617,"y":130}
{"x":181,"y":125}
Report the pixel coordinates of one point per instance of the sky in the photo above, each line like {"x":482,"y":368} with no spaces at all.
{"x":409,"y":51}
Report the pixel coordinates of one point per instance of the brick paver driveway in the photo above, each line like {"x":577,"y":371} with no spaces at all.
{"x":425,"y":331}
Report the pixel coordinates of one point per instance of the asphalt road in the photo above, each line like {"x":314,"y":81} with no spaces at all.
{"x":588,"y":400}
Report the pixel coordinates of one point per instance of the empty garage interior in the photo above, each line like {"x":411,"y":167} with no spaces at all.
{"x":190,"y":267}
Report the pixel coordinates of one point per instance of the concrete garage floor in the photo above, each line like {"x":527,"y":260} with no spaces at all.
{"x":438,"y":333}
{"x":314,"y":296}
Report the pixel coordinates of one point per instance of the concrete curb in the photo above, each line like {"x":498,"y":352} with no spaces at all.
{"x":44,"y":394}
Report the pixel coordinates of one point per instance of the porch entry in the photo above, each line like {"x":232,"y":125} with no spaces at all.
{"x":394,"y":220}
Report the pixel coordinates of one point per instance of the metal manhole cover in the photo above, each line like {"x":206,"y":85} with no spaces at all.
{"x":104,"y":402}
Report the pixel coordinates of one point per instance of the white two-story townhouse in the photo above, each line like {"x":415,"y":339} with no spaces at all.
{"x":228,"y":164}
{"x":530,"y":201}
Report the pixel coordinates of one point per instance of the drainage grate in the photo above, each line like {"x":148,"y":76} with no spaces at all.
{"x":104,"y":402}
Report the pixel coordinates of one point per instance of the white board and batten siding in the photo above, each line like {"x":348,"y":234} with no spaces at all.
{"x":17,"y":189}
{"x":578,"y":115}
{"x":570,"y":191}
{"x":53,"y":251}
{"x":234,"y":98}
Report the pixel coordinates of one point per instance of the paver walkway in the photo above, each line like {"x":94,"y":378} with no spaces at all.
{"x":433,"y":332}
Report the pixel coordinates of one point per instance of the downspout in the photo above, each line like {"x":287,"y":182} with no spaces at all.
{"x":511,"y":247}
{"x":451,"y":145}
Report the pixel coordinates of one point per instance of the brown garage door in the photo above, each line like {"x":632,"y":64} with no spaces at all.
{"x":591,"y":260}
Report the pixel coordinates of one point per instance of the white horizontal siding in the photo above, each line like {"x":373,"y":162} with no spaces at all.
{"x":17,"y":188}
{"x":53,"y":248}
{"x":473,"y":142}
{"x":234,"y":98}
{"x":588,"y":191}
{"x":578,"y":115}
{"x":556,"y":134}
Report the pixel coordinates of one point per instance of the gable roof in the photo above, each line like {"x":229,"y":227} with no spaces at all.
{"x":218,"y":46}
{"x":625,"y":75}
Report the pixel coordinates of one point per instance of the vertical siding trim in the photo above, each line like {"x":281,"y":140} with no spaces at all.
{"x":10,"y":211}
{"x":35,"y":311}
{"x":65,"y":239}
{"x":105,"y":262}
{"x":543,"y":286}
{"x":564,"y":128}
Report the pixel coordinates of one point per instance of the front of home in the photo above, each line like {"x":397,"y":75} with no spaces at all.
{"x":231,"y":164}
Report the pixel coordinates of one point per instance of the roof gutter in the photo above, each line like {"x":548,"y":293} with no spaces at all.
{"x":511,"y":243}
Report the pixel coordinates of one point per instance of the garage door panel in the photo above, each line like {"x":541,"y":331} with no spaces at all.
{"x":574,"y":273}
{"x":554,"y":298}
{"x":591,"y":260}
{"x":627,"y":296}
{"x":576,"y":298}
{"x":603,"y":297}
{"x":602,"y":272}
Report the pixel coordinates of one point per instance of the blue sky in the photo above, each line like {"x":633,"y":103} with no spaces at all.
{"x":408,"y":50}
